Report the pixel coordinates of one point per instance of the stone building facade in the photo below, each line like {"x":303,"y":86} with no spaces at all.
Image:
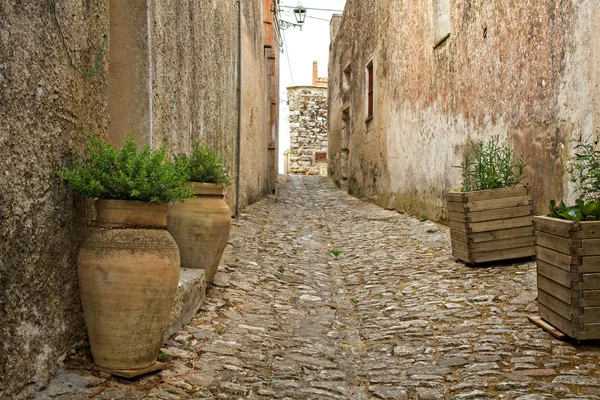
{"x":169,"y":71}
{"x":308,"y":128}
{"x":447,"y":72}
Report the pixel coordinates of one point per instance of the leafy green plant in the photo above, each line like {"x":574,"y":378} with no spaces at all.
{"x":423,"y":218}
{"x":203,"y":165}
{"x":125,"y":174}
{"x":584,"y":167}
{"x":579,"y":212}
{"x":491,"y":165}
{"x":354,"y":301}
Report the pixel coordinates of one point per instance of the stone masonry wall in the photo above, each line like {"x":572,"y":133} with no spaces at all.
{"x":187,"y":46}
{"x":525,"y":70}
{"x":308,"y":130}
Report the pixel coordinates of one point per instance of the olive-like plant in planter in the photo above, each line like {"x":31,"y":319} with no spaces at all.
{"x":568,"y":252}
{"x":491,"y":217}
{"x":201,"y":225}
{"x":128,"y":264}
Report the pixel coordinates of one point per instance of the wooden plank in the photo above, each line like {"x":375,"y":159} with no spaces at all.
{"x":591,"y":335}
{"x":593,"y":327}
{"x":458,"y":226}
{"x":559,"y":291}
{"x":504,"y":244}
{"x":500,"y":213}
{"x":589,"y":229}
{"x":496,"y":193}
{"x":547,"y":327}
{"x":556,"y":258}
{"x":486,"y":205}
{"x":556,"y":320}
{"x":456,"y":207}
{"x":554,"y":273}
{"x":555,"y":226}
{"x":461,"y":246}
{"x":499,"y":224}
{"x":589,"y":247}
{"x":457,"y":216}
{"x":589,"y":265}
{"x":455,"y":197}
{"x":589,"y":282}
{"x":461,"y":255}
{"x":558,"y":306}
{"x":506,"y":254}
{"x":591,"y":315}
{"x":557,"y":243}
{"x":500,"y":235}
{"x":590,"y":298}
{"x":461,"y":236}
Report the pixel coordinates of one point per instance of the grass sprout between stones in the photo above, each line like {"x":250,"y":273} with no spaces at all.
{"x":334,"y":252}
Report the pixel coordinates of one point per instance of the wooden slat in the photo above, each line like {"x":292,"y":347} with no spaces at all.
{"x":485,"y":205}
{"x":502,"y":234}
{"x":555,"y":258}
{"x":457,"y":216}
{"x":556,"y":320}
{"x":559,"y":291}
{"x":554,"y":273}
{"x":461,"y":255}
{"x":461,"y":236}
{"x":496,"y":193}
{"x":499,"y":224}
{"x":591,"y":315}
{"x":557,"y":243}
{"x":455,"y":197}
{"x":591,"y":298}
{"x":504,"y":244}
{"x":558,"y":306}
{"x":461,"y":246}
{"x":589,"y":247}
{"x":500,"y":213}
{"x":590,"y":335}
{"x":507,"y":254}
{"x":589,"y":265}
{"x":593,"y":327}
{"x":458,"y":226}
{"x":456,"y":207}
{"x":589,"y":282}
{"x":589,"y":229}
{"x":555,"y":226}
{"x":547,"y":327}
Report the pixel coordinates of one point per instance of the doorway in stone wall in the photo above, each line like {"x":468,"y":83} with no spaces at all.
{"x":345,"y":156}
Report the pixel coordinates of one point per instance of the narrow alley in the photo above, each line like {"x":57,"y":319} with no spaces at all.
{"x":392,"y":316}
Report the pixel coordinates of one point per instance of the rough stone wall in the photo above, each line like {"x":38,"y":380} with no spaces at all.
{"x":308,"y":130}
{"x":45,"y":106}
{"x":526,"y":71}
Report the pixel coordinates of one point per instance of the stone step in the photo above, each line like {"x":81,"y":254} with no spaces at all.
{"x":190,"y":297}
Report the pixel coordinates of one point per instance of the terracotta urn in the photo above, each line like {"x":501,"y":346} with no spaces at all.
{"x":201,"y":226}
{"x":128,"y":269}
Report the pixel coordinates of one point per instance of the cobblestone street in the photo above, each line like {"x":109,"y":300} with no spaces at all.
{"x":391,"y":316}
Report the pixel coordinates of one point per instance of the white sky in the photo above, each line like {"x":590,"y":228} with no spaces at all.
{"x":302,"y":48}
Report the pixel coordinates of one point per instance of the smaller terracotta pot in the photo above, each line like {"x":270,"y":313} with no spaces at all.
{"x":201,"y":226}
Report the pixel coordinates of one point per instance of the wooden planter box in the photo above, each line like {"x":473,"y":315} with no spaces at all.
{"x":568,"y":272}
{"x":491,"y":225}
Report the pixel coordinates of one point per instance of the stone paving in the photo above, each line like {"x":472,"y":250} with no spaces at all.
{"x":324,"y":296}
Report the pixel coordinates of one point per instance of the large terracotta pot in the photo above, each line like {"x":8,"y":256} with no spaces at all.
{"x":128,"y":271}
{"x":201,"y":227}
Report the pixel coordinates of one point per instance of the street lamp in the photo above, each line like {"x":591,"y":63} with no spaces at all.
{"x":300,"y":14}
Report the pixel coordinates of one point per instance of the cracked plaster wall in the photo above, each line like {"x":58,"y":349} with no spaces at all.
{"x":44,"y":108}
{"x":524,"y":70}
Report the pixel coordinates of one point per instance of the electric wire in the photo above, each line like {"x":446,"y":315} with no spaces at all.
{"x":287,"y":54}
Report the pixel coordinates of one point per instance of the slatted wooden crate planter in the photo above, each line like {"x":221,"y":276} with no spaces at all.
{"x":568,"y":266}
{"x":491,"y":225}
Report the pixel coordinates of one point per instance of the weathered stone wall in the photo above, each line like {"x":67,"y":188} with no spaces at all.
{"x":185,"y":47}
{"x":308,"y":130}
{"x":526,"y":71}
{"x":44,"y":107}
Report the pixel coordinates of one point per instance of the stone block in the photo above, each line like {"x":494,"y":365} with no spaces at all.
{"x":190,"y":297}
